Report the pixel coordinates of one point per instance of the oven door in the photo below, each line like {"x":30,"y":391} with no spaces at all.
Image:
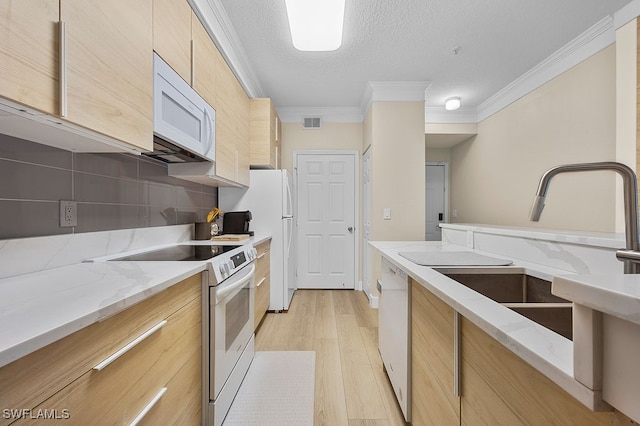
{"x":232,"y":312}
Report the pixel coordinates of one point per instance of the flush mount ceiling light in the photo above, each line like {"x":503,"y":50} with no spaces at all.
{"x":452,"y":103}
{"x":316,"y":25}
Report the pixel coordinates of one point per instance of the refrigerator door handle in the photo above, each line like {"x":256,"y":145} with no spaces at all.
{"x":289,"y":202}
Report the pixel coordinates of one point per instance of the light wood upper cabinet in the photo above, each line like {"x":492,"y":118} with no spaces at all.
{"x":205,"y":60}
{"x":29,"y":53}
{"x":109,"y":67}
{"x":232,"y":126}
{"x":264,"y":134}
{"x":433,"y":360}
{"x":172,"y":34}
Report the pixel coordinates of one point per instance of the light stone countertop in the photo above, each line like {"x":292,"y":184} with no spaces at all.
{"x":617,"y":295}
{"x":548,"y":352}
{"x":41,"y":307}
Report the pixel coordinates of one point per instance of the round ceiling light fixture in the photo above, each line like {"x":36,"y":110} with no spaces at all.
{"x":452,"y":103}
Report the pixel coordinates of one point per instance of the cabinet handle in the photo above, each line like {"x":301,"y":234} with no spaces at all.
{"x":277,"y":158}
{"x":456,"y":354}
{"x":261,"y":256}
{"x":148,"y":407}
{"x":193,"y":63}
{"x":129,"y":346}
{"x":261,"y":281}
{"x":63,"y":69}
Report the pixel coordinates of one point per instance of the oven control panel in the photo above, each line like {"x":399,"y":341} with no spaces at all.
{"x":227,"y":264}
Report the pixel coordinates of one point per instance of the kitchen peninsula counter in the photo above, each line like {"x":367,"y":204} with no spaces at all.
{"x":543,"y":254}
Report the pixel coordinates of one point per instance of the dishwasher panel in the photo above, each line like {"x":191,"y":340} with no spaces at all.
{"x":394,"y":332}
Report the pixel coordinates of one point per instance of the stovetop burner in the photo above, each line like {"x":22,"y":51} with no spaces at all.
{"x":181,"y":253}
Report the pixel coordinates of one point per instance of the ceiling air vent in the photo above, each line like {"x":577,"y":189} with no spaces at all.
{"x":311,"y":122}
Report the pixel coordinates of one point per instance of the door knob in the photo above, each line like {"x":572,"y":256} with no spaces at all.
{"x":350,"y":229}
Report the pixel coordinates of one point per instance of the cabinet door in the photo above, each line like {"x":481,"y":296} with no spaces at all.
{"x":432,"y":360}
{"x":29,"y":53}
{"x":243,"y":147}
{"x":264,"y":133}
{"x":498,"y":387}
{"x":205,"y":60}
{"x":109,"y":67}
{"x":225,"y":122}
{"x":172,"y":34}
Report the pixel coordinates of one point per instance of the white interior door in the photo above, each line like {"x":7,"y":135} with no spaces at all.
{"x":326,"y":220}
{"x":435,"y":201}
{"x":366,"y":220}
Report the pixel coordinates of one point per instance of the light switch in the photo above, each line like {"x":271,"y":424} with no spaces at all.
{"x":386,"y":214}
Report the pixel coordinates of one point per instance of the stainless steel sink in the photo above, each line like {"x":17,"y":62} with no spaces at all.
{"x":527,"y":295}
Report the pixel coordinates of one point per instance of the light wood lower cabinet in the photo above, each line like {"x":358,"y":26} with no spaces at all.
{"x":61,"y":376}
{"x":498,"y":387}
{"x":432,"y":355}
{"x":263,"y":284}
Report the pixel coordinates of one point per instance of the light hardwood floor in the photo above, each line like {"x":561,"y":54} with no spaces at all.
{"x":351,"y":387}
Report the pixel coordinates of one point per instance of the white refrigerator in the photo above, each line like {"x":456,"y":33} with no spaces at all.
{"x":269,"y":198}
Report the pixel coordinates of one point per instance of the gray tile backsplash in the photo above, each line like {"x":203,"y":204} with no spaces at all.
{"x":112,"y":191}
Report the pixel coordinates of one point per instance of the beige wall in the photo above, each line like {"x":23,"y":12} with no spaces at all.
{"x":570,"y":119}
{"x":626,"y":103}
{"x":331,"y":136}
{"x":437,"y":154}
{"x":397,"y":165}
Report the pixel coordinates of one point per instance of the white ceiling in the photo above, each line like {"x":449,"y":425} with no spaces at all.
{"x":410,"y":40}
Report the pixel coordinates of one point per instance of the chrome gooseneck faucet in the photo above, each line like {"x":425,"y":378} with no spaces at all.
{"x":631,"y":255}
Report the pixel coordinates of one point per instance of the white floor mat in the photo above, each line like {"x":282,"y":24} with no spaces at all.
{"x":277,"y":390}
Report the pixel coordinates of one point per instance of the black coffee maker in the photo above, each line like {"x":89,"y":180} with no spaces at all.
{"x":236,"y":222}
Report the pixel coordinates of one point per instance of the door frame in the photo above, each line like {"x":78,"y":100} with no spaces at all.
{"x":355,"y":155}
{"x":446,"y":190}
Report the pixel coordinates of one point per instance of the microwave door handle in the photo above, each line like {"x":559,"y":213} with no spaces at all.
{"x":209,"y":120}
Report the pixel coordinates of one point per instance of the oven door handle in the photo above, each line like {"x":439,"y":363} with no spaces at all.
{"x":226,"y":290}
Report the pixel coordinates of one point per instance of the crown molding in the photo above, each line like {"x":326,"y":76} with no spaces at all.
{"x":217,"y":23}
{"x":327,"y":114}
{"x":582,"y":47}
{"x":393,"y":91}
{"x":627,"y":14}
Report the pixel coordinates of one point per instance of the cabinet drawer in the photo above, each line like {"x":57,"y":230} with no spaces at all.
{"x":30,"y":380}
{"x":263,"y":247}
{"x":262,"y":299}
{"x":120,"y":391}
{"x":263,"y":265}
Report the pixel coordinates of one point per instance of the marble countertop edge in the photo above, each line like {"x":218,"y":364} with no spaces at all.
{"x":546,"y":351}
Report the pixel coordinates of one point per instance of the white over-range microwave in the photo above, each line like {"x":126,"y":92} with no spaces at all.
{"x":184,"y":124}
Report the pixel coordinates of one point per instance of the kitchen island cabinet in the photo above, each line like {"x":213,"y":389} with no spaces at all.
{"x":498,"y":387}
{"x":434,"y":401}
{"x":63,"y":376}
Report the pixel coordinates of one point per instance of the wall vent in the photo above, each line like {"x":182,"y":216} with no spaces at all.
{"x":311,"y":122}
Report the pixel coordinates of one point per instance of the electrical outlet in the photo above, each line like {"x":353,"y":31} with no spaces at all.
{"x":68,"y":214}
